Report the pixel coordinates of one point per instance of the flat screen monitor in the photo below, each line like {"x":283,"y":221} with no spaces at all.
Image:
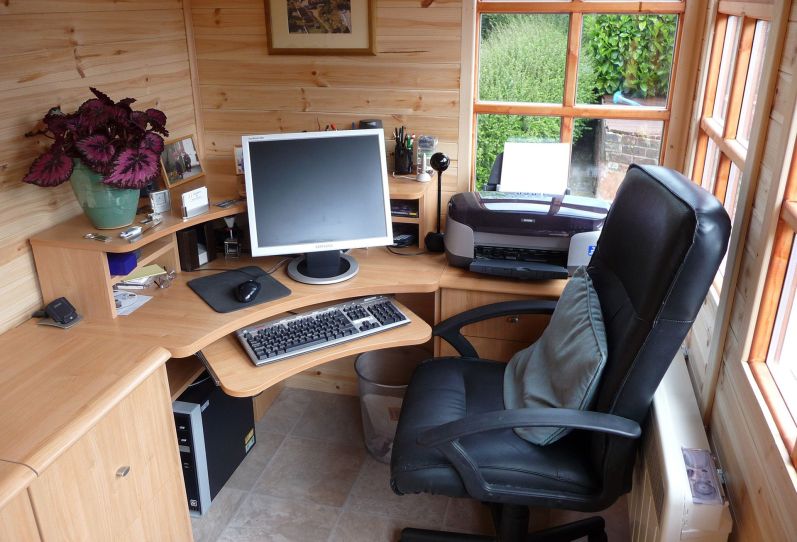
{"x":316,"y":194}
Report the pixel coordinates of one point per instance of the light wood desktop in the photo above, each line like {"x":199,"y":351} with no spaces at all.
{"x":67,"y":391}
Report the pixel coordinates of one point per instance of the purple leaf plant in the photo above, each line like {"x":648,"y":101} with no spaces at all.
{"x":109,"y":137}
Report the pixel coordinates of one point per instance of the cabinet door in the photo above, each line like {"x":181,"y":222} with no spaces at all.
{"x":17,"y":522}
{"x":496,"y":338}
{"x":122,"y":480}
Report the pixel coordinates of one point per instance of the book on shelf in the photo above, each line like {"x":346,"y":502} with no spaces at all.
{"x":125,"y":286}
{"x":140,"y":278}
{"x":143,"y":275}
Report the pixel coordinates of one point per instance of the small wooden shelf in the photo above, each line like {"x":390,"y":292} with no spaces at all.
{"x":405,"y":220}
{"x":413,"y":194}
{"x":69,"y":234}
{"x":150,"y":253}
{"x":181,"y":372}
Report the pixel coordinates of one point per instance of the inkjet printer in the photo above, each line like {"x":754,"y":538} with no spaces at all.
{"x":522,"y":235}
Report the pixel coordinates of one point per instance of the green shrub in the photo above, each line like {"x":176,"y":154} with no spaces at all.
{"x":522,"y":59}
{"x":632,"y":53}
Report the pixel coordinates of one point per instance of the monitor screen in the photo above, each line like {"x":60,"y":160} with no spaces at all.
{"x":317,"y":191}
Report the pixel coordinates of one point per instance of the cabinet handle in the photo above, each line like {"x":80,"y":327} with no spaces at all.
{"x":513,"y":319}
{"x":121,"y":472}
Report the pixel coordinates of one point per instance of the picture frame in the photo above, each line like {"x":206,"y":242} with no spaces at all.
{"x":320,"y":27}
{"x":238,"y":154}
{"x":160,"y":201}
{"x":180,"y":162}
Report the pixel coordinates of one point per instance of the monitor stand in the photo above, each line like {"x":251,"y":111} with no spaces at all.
{"x":327,"y":267}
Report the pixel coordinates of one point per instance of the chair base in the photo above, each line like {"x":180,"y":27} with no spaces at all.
{"x":511,"y":524}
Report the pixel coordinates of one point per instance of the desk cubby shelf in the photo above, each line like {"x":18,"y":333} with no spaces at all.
{"x":162,"y":251}
{"x":414,"y":194}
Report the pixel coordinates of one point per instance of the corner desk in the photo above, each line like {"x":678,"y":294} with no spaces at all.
{"x":88,"y":445}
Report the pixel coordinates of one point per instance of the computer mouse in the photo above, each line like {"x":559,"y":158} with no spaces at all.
{"x":247,"y":291}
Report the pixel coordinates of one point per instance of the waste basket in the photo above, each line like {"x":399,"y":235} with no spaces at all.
{"x":383,"y":376}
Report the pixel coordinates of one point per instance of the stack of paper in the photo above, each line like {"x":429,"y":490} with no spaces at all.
{"x":535,"y":167}
{"x":141,"y":278}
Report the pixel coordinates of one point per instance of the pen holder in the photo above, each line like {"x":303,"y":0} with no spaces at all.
{"x":403,"y":160}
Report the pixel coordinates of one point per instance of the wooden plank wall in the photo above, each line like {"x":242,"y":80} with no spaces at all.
{"x":51,"y":51}
{"x":761,"y":481}
{"x":413,"y":80}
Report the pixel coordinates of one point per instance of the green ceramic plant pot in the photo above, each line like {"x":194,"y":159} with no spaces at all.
{"x":107,"y":207}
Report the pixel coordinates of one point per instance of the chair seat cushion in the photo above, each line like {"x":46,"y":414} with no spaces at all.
{"x":562,"y":369}
{"x":447,"y":389}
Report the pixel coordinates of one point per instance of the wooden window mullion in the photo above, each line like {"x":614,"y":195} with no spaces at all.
{"x":767,"y":313}
{"x":571,"y":73}
{"x":755,"y":10}
{"x":700,"y":157}
{"x":578,"y":6}
{"x":723,"y":174}
{"x":558,"y":110}
{"x":715,"y":61}
{"x":739,"y":78}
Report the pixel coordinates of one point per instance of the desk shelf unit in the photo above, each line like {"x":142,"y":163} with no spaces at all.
{"x":411,"y":194}
{"x":76,"y":268}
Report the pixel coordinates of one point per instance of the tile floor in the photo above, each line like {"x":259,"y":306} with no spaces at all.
{"x":309,"y":479}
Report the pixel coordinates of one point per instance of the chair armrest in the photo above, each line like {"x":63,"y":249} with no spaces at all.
{"x":449,"y":329}
{"x":446,"y":439}
{"x":600,"y":422}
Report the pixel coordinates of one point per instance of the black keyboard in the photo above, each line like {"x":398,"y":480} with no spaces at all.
{"x":295,"y":335}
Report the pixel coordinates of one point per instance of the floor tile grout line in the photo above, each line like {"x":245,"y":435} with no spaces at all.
{"x":296,"y":423}
{"x":248,"y":493}
{"x":341,"y":511}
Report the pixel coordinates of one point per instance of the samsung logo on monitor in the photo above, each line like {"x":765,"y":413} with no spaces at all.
{"x":529,"y":220}
{"x":324,"y":245}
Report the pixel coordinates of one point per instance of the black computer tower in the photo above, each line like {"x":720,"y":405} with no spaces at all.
{"x":214,"y":434}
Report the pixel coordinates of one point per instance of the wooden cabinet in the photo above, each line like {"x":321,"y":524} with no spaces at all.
{"x":120,"y":481}
{"x":496,"y":338}
{"x":17,"y":522}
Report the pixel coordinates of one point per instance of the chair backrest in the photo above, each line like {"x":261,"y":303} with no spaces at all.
{"x":495,"y":173}
{"x":660,"y":248}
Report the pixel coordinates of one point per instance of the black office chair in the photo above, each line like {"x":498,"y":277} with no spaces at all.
{"x":495,"y":173}
{"x":660,"y":248}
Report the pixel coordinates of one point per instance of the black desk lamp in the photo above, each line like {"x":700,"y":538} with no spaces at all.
{"x":434,"y":240}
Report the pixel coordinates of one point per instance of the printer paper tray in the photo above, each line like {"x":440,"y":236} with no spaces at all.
{"x":518,"y":270}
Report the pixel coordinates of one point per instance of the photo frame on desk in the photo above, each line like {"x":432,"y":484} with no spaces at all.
{"x":180,"y":162}
{"x":238,"y":153}
{"x":343,"y":27}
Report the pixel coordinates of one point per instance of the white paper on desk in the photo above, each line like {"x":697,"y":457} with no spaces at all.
{"x":128,"y":302}
{"x":535,"y":167}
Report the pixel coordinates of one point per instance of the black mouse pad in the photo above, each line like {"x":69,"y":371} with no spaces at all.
{"x":218,"y":290}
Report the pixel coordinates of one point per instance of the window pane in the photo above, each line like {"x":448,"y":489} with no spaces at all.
{"x":710,"y":168}
{"x":732,"y":191}
{"x":782,"y":355}
{"x":626,"y":59}
{"x":752,"y":83}
{"x":728,"y":61}
{"x":522,"y":57}
{"x":492,"y":131}
{"x":604,"y":148}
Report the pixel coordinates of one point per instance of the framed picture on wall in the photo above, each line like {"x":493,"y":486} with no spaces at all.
{"x":179,"y":162}
{"x":320,"y":27}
